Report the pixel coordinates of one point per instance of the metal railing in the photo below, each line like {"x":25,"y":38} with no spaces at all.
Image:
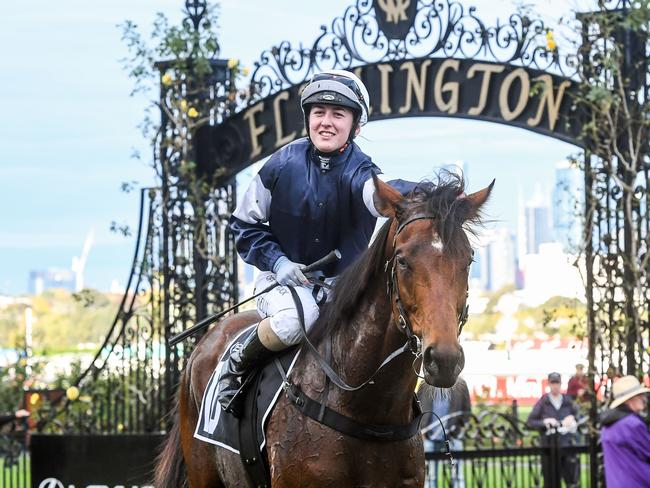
{"x":520,"y":467}
{"x":493,"y":448}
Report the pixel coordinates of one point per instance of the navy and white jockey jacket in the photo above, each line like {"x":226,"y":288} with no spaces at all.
{"x":301,"y":207}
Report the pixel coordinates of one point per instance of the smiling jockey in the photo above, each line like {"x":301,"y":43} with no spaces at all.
{"x":312,"y":196}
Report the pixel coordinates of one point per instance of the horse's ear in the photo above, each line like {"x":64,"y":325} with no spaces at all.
{"x":472,"y":203}
{"x":386,"y":198}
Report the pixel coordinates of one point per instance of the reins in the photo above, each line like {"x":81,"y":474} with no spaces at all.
{"x":323,"y":414}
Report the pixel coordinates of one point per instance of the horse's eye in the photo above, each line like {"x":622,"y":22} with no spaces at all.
{"x":401,"y":262}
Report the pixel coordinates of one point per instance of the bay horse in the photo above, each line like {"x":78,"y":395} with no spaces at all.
{"x":412,"y":279}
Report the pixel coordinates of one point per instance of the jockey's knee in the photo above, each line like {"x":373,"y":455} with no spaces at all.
{"x":286,"y":324}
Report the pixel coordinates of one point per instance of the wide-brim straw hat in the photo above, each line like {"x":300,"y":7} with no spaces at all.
{"x":625,"y":388}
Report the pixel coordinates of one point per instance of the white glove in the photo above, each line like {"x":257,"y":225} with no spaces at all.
{"x":289,"y":273}
{"x":551,"y":422}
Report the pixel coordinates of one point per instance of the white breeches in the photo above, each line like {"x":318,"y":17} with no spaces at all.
{"x":279,"y":306}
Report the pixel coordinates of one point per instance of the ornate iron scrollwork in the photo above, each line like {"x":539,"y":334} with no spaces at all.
{"x":440,"y":28}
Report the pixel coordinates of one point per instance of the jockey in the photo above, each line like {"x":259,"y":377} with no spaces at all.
{"x":312,"y":196}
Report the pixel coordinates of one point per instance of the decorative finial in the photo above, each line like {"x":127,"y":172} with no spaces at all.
{"x":195,"y":10}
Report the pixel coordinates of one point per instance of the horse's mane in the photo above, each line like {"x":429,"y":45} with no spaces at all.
{"x":440,"y":199}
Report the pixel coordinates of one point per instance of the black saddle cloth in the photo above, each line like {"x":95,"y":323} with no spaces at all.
{"x":222,"y":429}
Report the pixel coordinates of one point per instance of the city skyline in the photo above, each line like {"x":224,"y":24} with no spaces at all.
{"x":542,"y":251}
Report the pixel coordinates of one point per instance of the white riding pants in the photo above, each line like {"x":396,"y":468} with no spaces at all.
{"x":279,"y":306}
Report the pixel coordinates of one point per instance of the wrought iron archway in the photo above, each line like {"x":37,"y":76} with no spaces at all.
{"x":185,"y":265}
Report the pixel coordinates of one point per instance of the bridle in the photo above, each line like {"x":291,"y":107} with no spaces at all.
{"x":412,"y":344}
{"x":403,"y":322}
{"x":320,"y":412}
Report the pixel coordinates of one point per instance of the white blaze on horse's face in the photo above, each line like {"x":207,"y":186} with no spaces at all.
{"x":437,"y":245}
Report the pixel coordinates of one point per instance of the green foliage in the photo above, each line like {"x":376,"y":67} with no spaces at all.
{"x":13,"y":379}
{"x":179,"y":63}
{"x":481,"y":324}
{"x":64,"y":321}
{"x":558,"y":315}
{"x":172,"y":44}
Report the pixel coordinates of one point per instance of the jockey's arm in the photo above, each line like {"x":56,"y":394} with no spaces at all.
{"x":254,"y":240}
{"x":369,"y":191}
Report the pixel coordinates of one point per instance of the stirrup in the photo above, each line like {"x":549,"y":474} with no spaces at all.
{"x":234,"y":406}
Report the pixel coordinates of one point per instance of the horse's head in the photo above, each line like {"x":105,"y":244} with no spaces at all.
{"x":429,"y":256}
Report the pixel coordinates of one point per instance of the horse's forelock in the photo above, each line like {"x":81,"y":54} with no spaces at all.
{"x":441,"y":199}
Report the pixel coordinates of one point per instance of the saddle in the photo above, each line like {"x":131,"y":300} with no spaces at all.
{"x":245,"y":435}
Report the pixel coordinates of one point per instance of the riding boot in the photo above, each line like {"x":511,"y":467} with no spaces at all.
{"x":241,"y":362}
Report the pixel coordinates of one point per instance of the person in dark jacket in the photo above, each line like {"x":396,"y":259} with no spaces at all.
{"x":312,"y":196}
{"x":555,"y":415}
{"x":625,"y":437}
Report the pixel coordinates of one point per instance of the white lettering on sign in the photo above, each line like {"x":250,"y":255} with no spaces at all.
{"x":54,"y":483}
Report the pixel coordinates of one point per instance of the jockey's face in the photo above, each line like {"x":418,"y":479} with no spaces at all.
{"x":330,"y":126}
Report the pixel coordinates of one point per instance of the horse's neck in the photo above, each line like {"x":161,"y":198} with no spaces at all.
{"x":359,"y":347}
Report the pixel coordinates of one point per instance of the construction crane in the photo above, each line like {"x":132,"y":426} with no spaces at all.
{"x":79,"y":263}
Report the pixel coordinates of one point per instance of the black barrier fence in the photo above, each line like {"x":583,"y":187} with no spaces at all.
{"x":525,"y":467}
{"x":62,"y":461}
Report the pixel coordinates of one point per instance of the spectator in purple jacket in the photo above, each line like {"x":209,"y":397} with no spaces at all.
{"x":625,"y":436}
{"x":555,"y":415}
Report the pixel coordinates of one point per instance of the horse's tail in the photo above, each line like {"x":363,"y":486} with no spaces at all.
{"x":170,"y":469}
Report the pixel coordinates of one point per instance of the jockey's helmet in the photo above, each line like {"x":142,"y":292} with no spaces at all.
{"x":337,"y":87}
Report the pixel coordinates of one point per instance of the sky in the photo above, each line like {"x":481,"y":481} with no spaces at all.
{"x":68,"y":127}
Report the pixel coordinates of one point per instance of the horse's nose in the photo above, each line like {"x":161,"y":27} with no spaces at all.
{"x":442,"y":365}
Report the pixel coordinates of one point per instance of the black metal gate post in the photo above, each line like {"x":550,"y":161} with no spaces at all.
{"x":616,"y":221}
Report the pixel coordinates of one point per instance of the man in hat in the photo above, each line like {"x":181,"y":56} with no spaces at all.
{"x":625,"y":437}
{"x":555,"y":415}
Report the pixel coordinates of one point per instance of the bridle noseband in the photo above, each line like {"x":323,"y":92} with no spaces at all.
{"x":403,"y":322}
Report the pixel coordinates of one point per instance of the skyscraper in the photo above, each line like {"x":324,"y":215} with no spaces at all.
{"x":567,"y":201}
{"x":537,"y":223}
{"x":498,"y":259}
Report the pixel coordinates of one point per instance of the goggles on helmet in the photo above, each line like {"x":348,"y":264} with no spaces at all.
{"x":336,"y":88}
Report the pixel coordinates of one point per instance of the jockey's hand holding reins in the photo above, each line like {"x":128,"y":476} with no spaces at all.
{"x":331,"y":257}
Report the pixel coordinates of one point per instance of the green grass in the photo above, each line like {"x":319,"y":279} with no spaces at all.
{"x":17,"y":475}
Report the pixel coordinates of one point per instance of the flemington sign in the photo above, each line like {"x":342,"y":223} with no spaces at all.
{"x":435,"y":87}
{"x":459,"y":75}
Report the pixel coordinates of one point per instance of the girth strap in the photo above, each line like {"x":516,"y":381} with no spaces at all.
{"x":346,"y":425}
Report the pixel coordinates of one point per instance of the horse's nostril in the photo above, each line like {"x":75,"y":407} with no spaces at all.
{"x":444,"y":358}
{"x":428,"y":355}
